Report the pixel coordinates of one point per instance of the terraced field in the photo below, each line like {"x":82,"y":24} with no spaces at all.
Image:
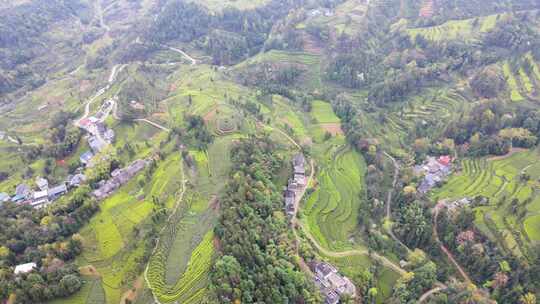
{"x":511,"y":218}
{"x":456,"y":29}
{"x":400,"y":122}
{"x":110,"y":243}
{"x":174,"y":273}
{"x":332,"y":210}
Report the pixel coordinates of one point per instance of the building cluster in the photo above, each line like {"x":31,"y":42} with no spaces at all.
{"x":100,"y":136}
{"x":43,"y":194}
{"x":434,"y":171}
{"x":331,"y":284}
{"x":296,"y":184}
{"x":118,"y":178}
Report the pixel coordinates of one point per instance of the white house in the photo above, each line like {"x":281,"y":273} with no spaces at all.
{"x":25,"y":268}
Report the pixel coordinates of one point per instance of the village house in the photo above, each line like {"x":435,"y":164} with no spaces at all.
{"x":57,"y":191}
{"x":76,"y":180}
{"x":95,"y":144}
{"x":42,"y":183}
{"x":119,"y":178}
{"x":25,"y":268}
{"x":86,"y":157}
{"x":40,"y":199}
{"x":295,"y":185}
{"x":434,"y":171}
{"x":331,"y":284}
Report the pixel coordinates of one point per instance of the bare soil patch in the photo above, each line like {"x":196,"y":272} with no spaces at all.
{"x":210,"y":115}
{"x":90,"y":271}
{"x":332,"y":128}
{"x":131,"y":294}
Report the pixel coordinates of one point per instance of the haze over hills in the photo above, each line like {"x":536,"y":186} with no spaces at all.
{"x":269,"y":151}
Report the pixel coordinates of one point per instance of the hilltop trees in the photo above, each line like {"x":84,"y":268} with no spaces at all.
{"x":489,"y":82}
{"x":256,"y":265}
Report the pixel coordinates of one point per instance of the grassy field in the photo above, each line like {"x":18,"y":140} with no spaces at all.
{"x":322,"y":112}
{"x":513,"y":226}
{"x":331,"y":212}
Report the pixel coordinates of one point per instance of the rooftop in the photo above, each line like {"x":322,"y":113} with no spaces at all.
{"x":25,"y":268}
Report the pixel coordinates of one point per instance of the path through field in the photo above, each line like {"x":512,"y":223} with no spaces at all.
{"x":155,"y":124}
{"x":193,"y":60}
{"x":443,"y":248}
{"x":177,"y":205}
{"x":389,"y":200}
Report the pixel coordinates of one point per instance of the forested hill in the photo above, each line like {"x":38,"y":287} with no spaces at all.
{"x":23,"y":39}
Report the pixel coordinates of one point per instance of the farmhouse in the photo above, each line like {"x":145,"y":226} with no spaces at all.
{"x":42,"y":183}
{"x":95,"y":144}
{"x":86,"y":157}
{"x":57,"y":191}
{"x":23,"y":191}
{"x":295,"y":184}
{"x":40,"y":199}
{"x":25,"y":268}
{"x":331,"y":284}
{"x":119,"y":178}
{"x":76,"y":180}
{"x":434,"y":170}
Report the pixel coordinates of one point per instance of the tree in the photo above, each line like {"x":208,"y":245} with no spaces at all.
{"x":528,"y":298}
{"x":69,"y":284}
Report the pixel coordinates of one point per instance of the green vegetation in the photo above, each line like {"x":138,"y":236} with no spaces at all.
{"x":515,"y":95}
{"x":332,"y":210}
{"x":512,"y":199}
{"x":457,"y":29}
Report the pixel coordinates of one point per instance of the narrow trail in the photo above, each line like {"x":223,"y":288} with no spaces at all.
{"x":154,"y":124}
{"x":193,"y":60}
{"x":431,"y":292}
{"x":444,"y":249}
{"x":389,"y":200}
{"x":177,"y":205}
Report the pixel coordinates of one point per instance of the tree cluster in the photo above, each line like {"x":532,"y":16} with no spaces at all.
{"x":256,"y":263}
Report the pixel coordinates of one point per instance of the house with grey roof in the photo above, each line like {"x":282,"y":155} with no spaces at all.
{"x":23,"y":191}
{"x":332,"y":284}
{"x":118,"y":178}
{"x":76,"y":180}
{"x":86,"y":157}
{"x":57,"y":191}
